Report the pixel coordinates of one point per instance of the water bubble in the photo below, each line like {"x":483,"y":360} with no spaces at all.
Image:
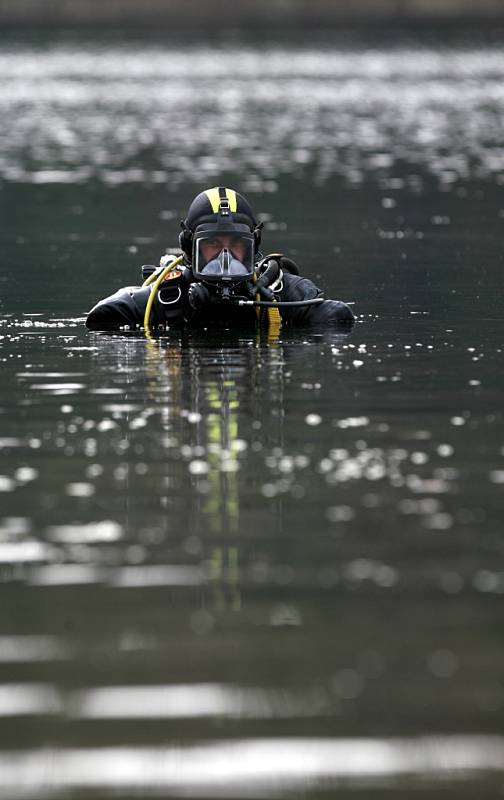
{"x":340,"y":513}
{"x":485,"y":580}
{"x":199,"y":467}
{"x":385,"y":576}
{"x":121,"y":472}
{"x":286,"y":464}
{"x":239,"y":445}
{"x":25,"y":474}
{"x":201,"y":622}
{"x":285,"y":615}
{"x":106,"y":425}
{"x":442,"y":663}
{"x":439,"y":522}
{"x":375,"y":472}
{"x":360,"y":569}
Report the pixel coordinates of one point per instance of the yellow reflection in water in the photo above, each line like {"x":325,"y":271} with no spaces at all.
{"x":208,"y":396}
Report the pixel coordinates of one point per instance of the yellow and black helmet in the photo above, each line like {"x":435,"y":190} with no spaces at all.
{"x":218,"y":206}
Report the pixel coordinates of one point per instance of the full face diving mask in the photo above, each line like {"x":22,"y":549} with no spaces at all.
{"x":223,"y":255}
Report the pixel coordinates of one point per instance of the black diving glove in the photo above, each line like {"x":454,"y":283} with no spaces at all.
{"x":269,"y":272}
{"x":270,"y":269}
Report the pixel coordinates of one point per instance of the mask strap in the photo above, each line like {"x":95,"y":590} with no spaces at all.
{"x":224,"y":207}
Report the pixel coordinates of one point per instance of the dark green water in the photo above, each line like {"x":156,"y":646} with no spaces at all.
{"x":236,"y":565}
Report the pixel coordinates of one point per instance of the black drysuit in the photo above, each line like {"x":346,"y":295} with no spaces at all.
{"x":126,"y":308}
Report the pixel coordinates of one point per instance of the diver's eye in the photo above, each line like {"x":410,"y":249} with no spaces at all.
{"x":211,"y":246}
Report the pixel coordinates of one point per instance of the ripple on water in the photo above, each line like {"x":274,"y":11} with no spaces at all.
{"x":243,"y":767}
{"x":104,"y":531}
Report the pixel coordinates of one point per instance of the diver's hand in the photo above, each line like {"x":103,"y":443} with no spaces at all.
{"x":269,"y":275}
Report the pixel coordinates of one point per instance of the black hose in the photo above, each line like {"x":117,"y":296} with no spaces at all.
{"x":281,"y":304}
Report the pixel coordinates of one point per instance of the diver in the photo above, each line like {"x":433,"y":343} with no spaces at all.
{"x":220,"y":276}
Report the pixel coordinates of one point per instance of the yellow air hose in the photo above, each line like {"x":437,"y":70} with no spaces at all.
{"x":155,"y":282}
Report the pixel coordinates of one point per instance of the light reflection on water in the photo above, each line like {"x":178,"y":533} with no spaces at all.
{"x":206,"y":492}
{"x":211,"y":420}
{"x":249,"y":768}
{"x":127,"y":114}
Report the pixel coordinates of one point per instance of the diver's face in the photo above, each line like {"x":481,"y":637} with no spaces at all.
{"x":211,"y":247}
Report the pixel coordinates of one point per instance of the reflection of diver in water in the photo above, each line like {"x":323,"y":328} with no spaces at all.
{"x":220,"y":276}
{"x":223,"y":408}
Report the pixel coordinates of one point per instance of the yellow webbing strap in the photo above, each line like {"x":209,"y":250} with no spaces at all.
{"x":154,"y":289}
{"x":274,"y":317}
{"x":215,"y":199}
{"x":231,"y":196}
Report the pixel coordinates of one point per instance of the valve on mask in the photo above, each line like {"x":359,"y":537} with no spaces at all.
{"x":268,"y":284}
{"x":269,"y":274}
{"x":200,"y":296}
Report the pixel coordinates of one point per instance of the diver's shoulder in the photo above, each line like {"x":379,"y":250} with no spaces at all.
{"x":123,"y":307}
{"x":299,"y":285}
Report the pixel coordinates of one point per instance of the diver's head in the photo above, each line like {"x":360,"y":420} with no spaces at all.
{"x":220,"y":237}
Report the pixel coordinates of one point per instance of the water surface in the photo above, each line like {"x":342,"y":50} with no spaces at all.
{"x":236,"y":563}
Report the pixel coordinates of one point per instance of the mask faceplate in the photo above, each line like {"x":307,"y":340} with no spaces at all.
{"x":224,"y":256}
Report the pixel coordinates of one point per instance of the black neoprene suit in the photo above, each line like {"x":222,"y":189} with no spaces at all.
{"x":126,"y":308}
